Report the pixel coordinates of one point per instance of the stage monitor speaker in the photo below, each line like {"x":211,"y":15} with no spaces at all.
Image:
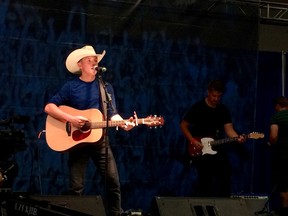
{"x":185,"y":206}
{"x":256,"y":204}
{"x":90,"y":205}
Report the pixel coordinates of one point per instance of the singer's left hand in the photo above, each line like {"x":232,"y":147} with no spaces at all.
{"x":129,"y":124}
{"x":241,"y":139}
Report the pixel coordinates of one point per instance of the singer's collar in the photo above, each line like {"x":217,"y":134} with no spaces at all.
{"x":87,"y":79}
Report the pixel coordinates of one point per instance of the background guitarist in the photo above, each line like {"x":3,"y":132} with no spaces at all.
{"x":279,"y":143}
{"x":83,"y":93}
{"x":210,"y":118}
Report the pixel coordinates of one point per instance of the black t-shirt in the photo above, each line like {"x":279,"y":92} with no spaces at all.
{"x":206,"y":121}
{"x":281,"y":119}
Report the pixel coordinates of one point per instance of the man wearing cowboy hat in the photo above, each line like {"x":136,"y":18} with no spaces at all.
{"x":83,"y":93}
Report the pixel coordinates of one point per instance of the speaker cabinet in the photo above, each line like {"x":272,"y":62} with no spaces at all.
{"x":90,"y":205}
{"x":181,"y":206}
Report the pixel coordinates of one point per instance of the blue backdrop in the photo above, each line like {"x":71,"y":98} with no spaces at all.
{"x":159,"y":61}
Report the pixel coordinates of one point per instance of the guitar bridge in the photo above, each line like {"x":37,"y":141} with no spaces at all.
{"x":68,"y":128}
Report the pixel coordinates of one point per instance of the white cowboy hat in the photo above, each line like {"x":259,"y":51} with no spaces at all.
{"x":75,"y":56}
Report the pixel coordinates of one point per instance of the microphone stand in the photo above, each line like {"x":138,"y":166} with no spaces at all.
{"x":109,"y":105}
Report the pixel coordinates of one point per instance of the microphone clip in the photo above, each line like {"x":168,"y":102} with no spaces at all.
{"x":100,"y":69}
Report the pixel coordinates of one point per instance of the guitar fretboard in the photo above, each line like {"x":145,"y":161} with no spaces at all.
{"x":253,"y":135}
{"x":95,"y":125}
{"x":223,"y":141}
{"x":103,"y":124}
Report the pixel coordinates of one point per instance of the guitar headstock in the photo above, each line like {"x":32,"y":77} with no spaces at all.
{"x":153,"y":121}
{"x":255,"y":135}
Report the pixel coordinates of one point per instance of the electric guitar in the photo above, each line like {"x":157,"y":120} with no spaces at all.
{"x":62,"y":136}
{"x":208,"y":143}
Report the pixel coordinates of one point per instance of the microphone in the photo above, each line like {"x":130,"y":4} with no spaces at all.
{"x":100,"y":69}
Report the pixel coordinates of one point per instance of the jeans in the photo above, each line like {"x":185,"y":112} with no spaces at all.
{"x":214,"y":175}
{"x":78,"y":159}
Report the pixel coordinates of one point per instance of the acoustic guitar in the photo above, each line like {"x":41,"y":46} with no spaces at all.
{"x":62,"y":136}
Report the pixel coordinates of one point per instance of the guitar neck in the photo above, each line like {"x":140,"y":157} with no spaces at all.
{"x":223,"y":141}
{"x":253,"y":135}
{"x":103,"y":124}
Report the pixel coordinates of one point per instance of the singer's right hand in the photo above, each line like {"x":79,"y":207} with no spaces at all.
{"x":78,"y":121}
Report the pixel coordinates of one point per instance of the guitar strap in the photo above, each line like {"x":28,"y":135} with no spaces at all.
{"x":103,"y":97}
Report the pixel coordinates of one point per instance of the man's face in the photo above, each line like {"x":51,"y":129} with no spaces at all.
{"x":214,"y":97}
{"x":88,"y":63}
{"x":277,"y":107}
